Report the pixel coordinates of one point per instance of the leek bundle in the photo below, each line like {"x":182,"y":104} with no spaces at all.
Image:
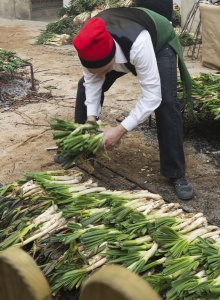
{"x":76,"y":141}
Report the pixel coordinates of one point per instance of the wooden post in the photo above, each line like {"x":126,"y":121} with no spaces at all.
{"x":21,"y":278}
{"x":118,"y":283}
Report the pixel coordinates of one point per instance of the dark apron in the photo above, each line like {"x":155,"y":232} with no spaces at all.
{"x":162,"y":7}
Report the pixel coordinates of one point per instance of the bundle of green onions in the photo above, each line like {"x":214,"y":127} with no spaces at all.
{"x":76,"y":141}
{"x":72,"y":226}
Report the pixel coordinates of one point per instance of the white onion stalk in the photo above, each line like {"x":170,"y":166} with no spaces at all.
{"x":156,"y":204}
{"x":129,"y":195}
{"x":41,"y":233}
{"x":95,"y":259}
{"x":149,"y":205}
{"x":174,"y":213}
{"x":43,"y":220}
{"x":199,"y":232}
{"x":164,"y":209}
{"x":91,"y":254}
{"x":139,"y":200}
{"x":169,"y":207}
{"x":137,"y":241}
{"x":98,"y":264}
{"x":82,"y":186}
{"x":201,"y":273}
{"x":216,"y":238}
{"x":88,"y":191}
{"x":78,"y":188}
{"x":62,"y":226}
{"x":185,"y":222}
{"x":52,"y":220}
{"x":77,"y":175}
{"x":66,"y":182}
{"x":142,"y":208}
{"x":46,"y":221}
{"x":29,"y":185}
{"x":138,"y":265}
{"x":146,"y":194}
{"x":33,"y":192}
{"x":86,"y":183}
{"x":210,"y":234}
{"x":48,"y":211}
{"x":139,"y":205}
{"x":196,"y":224}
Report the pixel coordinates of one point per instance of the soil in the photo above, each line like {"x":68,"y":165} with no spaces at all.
{"x":134,"y":163}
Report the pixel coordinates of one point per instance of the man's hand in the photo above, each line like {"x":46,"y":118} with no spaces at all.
{"x":112,"y":135}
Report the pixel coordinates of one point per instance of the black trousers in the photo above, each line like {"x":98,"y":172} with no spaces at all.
{"x":168,"y":114}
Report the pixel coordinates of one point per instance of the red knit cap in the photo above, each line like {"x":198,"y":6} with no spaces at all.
{"x":95,"y":46}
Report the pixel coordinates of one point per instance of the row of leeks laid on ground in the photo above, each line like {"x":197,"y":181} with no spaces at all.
{"x":71,"y":226}
{"x":205,"y":94}
{"x":76,"y":142}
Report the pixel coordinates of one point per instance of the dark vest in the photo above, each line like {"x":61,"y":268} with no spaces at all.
{"x":125,"y":24}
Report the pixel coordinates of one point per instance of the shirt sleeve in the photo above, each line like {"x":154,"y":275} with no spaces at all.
{"x":142,"y":56}
{"x":93,"y":89}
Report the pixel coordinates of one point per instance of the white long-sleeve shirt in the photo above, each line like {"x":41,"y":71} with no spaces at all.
{"x":142,"y":56}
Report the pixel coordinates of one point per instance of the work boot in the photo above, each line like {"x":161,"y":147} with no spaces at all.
{"x":58,"y":158}
{"x":183,"y":188}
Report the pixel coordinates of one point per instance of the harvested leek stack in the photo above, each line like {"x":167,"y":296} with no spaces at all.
{"x":71,"y":227}
{"x":76,"y":141}
{"x":205,"y":95}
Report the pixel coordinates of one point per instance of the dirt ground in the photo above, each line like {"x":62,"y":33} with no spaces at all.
{"x":26,"y":134}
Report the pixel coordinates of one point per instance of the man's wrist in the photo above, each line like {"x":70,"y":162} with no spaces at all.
{"x":121,"y":129}
{"x":92,"y":118}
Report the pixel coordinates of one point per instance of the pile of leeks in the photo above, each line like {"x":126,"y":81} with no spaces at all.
{"x":205,"y":94}
{"x":71,"y":226}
